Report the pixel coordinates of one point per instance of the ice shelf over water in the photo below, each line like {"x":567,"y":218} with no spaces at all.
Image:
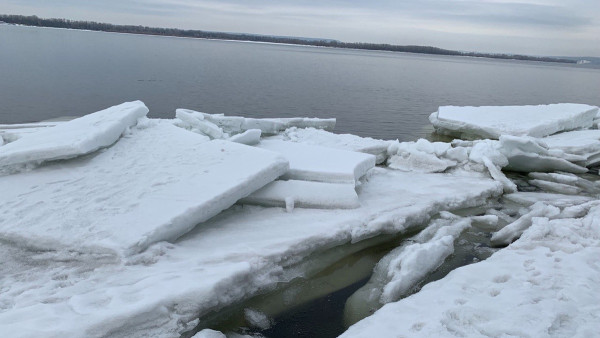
{"x":493,"y":121}
{"x":73,"y":138}
{"x":150,"y":231}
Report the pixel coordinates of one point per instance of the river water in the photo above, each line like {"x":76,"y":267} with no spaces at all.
{"x":47,"y":73}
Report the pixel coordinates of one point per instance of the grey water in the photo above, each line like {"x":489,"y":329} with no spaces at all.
{"x":47,"y":73}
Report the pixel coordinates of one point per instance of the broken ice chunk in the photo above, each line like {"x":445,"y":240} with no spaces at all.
{"x":73,"y":138}
{"x":314,"y":163}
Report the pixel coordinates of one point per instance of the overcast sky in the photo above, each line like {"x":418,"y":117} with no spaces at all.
{"x":535,"y":27}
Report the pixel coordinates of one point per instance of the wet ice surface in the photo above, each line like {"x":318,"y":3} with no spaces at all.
{"x":77,"y":265}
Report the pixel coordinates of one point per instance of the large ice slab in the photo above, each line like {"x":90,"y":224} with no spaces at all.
{"x":155,"y":184}
{"x":493,"y":121}
{"x":305,"y":194}
{"x":543,"y":285}
{"x":314,"y":163}
{"x":241,"y":252}
{"x":73,"y":138}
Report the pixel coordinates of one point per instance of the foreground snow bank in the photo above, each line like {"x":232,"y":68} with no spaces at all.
{"x":493,"y":121}
{"x":73,"y":138}
{"x":543,"y":285}
{"x":155,"y":184}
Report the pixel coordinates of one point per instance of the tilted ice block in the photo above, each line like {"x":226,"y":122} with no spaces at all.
{"x":313,"y":163}
{"x":493,"y":121}
{"x":73,"y":138}
{"x":405,"y":266}
{"x":154,"y":185}
{"x":249,"y":137}
{"x":196,"y":120}
{"x":305,"y":194}
{"x":579,"y":142}
{"x":529,"y":154}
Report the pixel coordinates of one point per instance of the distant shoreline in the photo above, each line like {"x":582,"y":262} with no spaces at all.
{"x":143,"y":30}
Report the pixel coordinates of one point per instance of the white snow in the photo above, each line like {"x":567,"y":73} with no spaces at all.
{"x":543,"y":285}
{"x":493,"y":121}
{"x":155,"y":184}
{"x":73,"y":138}
{"x":314,"y":163}
{"x":305,"y":194}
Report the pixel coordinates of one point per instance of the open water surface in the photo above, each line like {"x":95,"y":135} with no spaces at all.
{"x":47,"y":73}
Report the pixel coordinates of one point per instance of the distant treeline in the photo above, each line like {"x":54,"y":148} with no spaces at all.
{"x":106,"y":27}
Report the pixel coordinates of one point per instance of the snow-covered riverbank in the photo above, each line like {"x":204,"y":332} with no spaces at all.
{"x":118,"y":225}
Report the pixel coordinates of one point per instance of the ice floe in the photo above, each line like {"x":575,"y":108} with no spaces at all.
{"x":314,"y":163}
{"x":155,"y":184}
{"x":73,"y":138}
{"x":493,"y":121}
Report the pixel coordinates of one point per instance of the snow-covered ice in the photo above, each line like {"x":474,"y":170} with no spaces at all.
{"x":314,"y":163}
{"x":305,"y":194}
{"x":243,"y":251}
{"x":155,"y":184}
{"x":73,"y":138}
{"x":543,"y":285}
{"x":493,"y":121}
